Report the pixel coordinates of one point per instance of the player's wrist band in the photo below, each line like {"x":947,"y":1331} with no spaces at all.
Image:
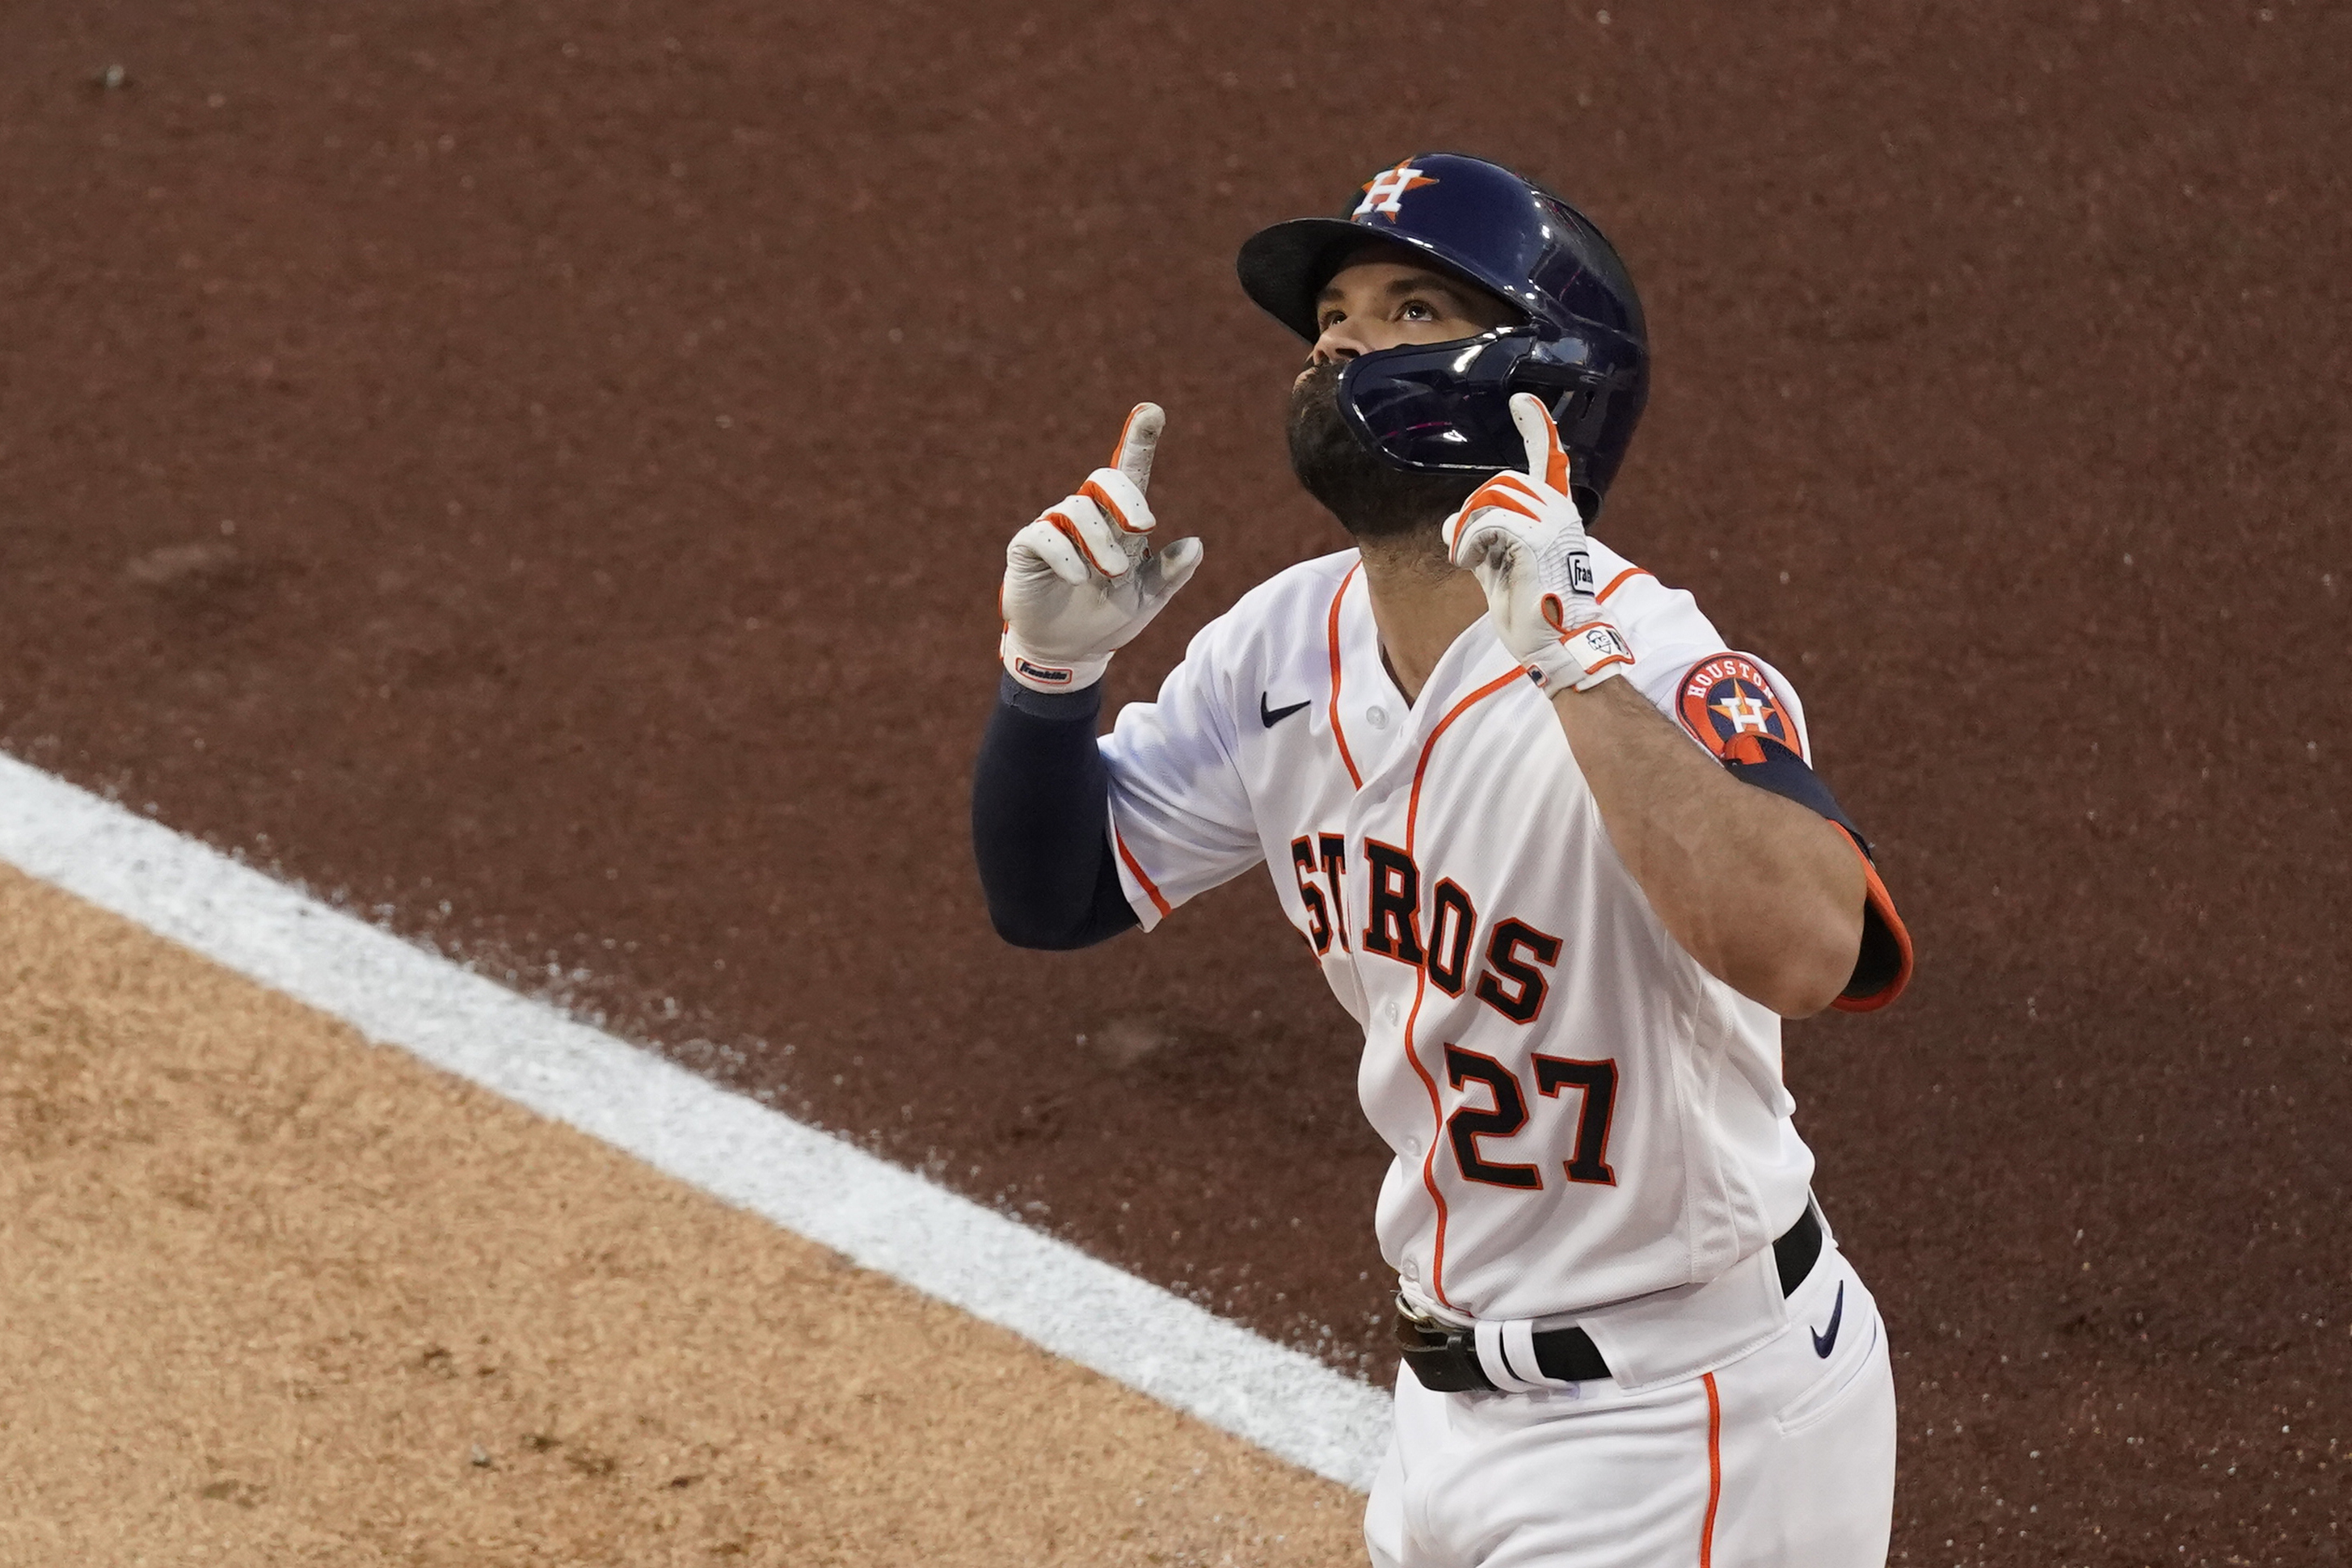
{"x":1583,"y":658}
{"x":1049,"y":674}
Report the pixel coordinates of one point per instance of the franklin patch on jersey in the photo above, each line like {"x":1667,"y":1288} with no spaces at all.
{"x":1729,"y":706}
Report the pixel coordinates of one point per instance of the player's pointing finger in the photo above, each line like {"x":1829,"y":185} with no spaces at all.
{"x":1137,"y":443}
{"x":1546,"y":462}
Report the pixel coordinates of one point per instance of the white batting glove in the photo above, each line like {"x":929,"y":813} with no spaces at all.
{"x":1079,"y":583}
{"x":1522,"y":536}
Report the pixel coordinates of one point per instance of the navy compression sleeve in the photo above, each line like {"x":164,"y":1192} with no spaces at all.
{"x":1040,"y":821}
{"x":1883,"y":968}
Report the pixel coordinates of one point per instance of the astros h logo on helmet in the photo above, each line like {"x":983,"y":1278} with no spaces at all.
{"x":1385,"y":191}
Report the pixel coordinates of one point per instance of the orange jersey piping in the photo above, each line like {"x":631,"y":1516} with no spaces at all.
{"x":1339,"y":734}
{"x":1421,"y":985}
{"x":1619,"y":580}
{"x":1129,"y":856}
{"x":1713,"y":1470}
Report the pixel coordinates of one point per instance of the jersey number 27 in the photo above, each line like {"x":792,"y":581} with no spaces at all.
{"x":1589,"y":1161}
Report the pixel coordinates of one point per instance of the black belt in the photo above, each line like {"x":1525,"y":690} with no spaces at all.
{"x":1444,"y":1357}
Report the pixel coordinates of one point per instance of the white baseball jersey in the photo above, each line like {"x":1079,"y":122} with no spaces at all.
{"x":1580,"y":1115}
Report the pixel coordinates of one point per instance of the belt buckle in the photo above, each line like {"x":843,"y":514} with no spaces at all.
{"x":1422,"y":1320}
{"x":1443,"y":1356}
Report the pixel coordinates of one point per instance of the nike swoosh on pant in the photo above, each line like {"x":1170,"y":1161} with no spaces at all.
{"x":1824,"y":1343}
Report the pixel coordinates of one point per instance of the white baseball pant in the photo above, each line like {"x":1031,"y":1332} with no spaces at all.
{"x":1784,"y":1459}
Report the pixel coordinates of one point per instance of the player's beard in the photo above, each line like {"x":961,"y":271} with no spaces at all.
{"x":1372,"y":499}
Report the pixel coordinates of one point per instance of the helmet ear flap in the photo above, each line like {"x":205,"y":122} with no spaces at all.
{"x":1595,"y":383}
{"x":1572,"y":412}
{"x":1580,"y":490}
{"x":1445,"y":408}
{"x":1576,"y":411}
{"x":1438,"y":408}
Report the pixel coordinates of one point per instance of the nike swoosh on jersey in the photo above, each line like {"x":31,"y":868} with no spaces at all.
{"x":1824,"y":1343}
{"x":1270,"y":717}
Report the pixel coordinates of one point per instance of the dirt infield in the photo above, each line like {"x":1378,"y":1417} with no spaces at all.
{"x":276,"y":1296}
{"x":543,"y":473}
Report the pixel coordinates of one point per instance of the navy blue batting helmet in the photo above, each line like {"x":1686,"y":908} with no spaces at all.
{"x":1445,"y":407}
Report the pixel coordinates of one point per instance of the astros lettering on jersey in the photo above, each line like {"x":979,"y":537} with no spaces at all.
{"x":1580,"y":1113}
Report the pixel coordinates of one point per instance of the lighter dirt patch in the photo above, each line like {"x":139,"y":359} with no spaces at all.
{"x":270,"y":1295}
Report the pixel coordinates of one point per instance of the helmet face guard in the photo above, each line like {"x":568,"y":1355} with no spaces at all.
{"x":1445,"y":408}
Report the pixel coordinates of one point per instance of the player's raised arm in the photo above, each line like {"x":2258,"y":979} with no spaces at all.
{"x":1080,"y":584}
{"x":1767,"y":895}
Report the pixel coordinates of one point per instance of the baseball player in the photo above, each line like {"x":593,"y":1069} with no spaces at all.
{"x":1557,"y":847}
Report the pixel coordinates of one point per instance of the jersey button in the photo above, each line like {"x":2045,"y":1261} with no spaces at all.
{"x":1394,"y":1013}
{"x":1412,"y":1147}
{"x":1377,"y":716}
{"x":1412,"y":1269}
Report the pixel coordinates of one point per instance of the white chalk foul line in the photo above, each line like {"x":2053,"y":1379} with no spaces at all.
{"x":885,"y":1219}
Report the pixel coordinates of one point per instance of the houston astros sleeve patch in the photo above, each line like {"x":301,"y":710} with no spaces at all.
{"x":1729,"y":706}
